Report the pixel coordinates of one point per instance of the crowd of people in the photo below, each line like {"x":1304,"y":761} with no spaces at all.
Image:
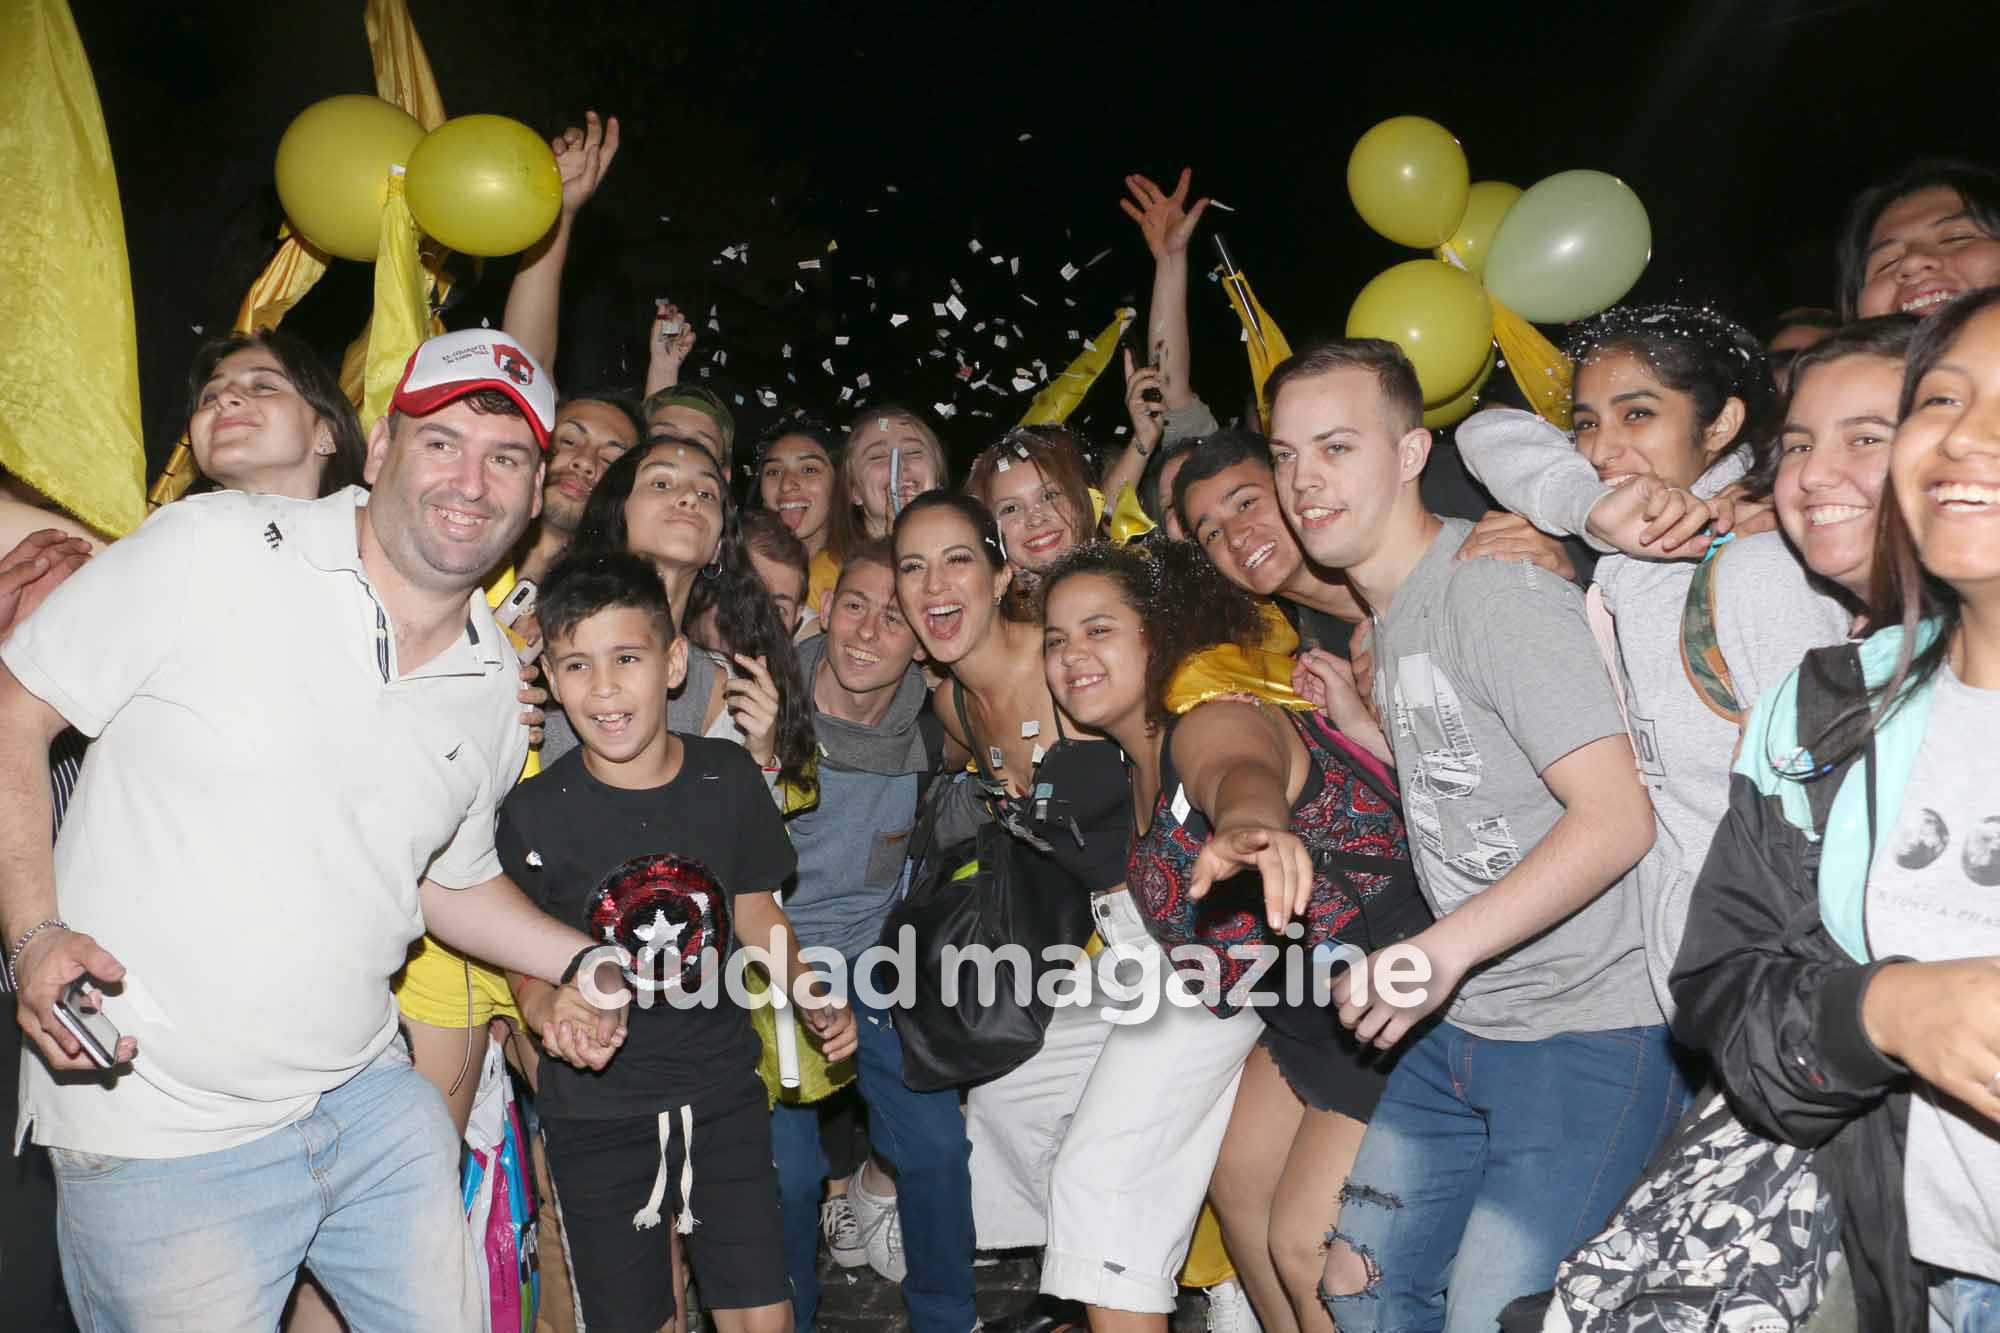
{"x":1534,"y":855}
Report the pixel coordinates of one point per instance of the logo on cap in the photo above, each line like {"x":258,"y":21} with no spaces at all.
{"x":513,"y":364}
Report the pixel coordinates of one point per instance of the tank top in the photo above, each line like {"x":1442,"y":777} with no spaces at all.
{"x":1364,"y":889}
{"x":1077,"y":813}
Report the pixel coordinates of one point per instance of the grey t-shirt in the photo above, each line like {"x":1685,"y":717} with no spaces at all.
{"x":1934,"y":895}
{"x":1486,"y":673}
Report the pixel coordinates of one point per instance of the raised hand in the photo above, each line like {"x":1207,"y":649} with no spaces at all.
{"x":1164,"y":219}
{"x":1149,"y":415}
{"x":672,"y":339}
{"x":583,"y":156}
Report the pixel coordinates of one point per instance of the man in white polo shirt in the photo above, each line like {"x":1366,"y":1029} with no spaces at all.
{"x":304,"y":720}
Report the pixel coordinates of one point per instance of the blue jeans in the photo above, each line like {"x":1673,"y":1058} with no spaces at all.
{"x":1961,"y":1304}
{"x":1512,"y":1153}
{"x":922,"y":1134}
{"x":364,"y":1192}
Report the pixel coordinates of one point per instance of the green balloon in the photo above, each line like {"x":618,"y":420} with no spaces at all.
{"x":1571,"y":246}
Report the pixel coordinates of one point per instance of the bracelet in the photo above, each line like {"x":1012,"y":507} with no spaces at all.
{"x":21,"y":945}
{"x":576,"y":963}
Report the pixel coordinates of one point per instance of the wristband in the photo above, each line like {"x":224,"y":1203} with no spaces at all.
{"x":576,"y":963}
{"x":21,"y":945}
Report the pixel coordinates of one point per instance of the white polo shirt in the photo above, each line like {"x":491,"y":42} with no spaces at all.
{"x":264,"y":792}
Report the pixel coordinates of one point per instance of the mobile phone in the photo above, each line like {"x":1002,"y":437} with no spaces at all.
{"x":519,"y":602}
{"x":93,"y":1031}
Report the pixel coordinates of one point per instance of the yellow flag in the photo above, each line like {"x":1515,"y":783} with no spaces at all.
{"x":1543,"y":372}
{"x":287,"y":278}
{"x":402,"y":70}
{"x":1060,"y":396}
{"x":1262,"y":340}
{"x":401,"y":320}
{"x":69,"y":352}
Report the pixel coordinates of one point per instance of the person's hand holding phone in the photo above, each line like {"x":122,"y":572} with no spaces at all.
{"x":52,"y":960}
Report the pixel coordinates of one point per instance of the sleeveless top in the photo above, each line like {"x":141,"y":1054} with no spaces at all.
{"x":1364,"y":891}
{"x":1077,"y":813}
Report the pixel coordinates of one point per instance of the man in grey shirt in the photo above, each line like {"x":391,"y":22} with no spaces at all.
{"x":1517,"y":1117}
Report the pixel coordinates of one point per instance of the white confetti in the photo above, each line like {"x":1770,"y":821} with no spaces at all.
{"x":767,"y":397}
{"x":808,"y":263}
{"x":729,"y":252}
{"x":998,"y":259}
{"x":721,"y":357}
{"x":1024,"y":138}
{"x":1031,"y":729}
{"x":957,"y":308}
{"x":898,"y":321}
{"x":1002,"y":465}
{"x":786,"y":351}
{"x":1031,"y":300}
{"x":795,"y":286}
{"x":715,"y":326}
{"x":974,"y":246}
{"x":1117,"y":430}
{"x":1092,"y":261}
{"x":845,"y":393}
{"x":1022,"y":384}
{"x":1242,"y":335}
{"x":827,"y":365}
{"x":999,"y":340}
{"x":890,"y":189}
{"x":535,"y":860}
{"x":1217,"y":203}
{"x":1070,"y":271}
{"x":1075,"y":336}
{"x":956,"y":289}
{"x":862,"y":381}
{"x":946,"y":410}
{"x":1035,"y":756}
{"x":840,"y":340}
{"x":1014,"y":264}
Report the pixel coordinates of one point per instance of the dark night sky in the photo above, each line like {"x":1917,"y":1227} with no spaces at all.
{"x":1744,"y":127}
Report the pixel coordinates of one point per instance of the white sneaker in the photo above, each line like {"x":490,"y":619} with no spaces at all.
{"x":842,"y":1232}
{"x":1229,"y":1309}
{"x":881,"y":1229}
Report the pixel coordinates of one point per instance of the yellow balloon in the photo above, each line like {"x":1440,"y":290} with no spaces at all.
{"x":1408,"y":180}
{"x":333,"y":170}
{"x":1437,"y":314}
{"x":1485,"y":204}
{"x":1459,"y":408}
{"x":484,"y":185}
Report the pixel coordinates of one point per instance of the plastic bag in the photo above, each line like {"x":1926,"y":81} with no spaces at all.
{"x":499,"y":1199}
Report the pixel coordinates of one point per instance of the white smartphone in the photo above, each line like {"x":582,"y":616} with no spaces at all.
{"x":97,"y":1034}
{"x":518,"y":602}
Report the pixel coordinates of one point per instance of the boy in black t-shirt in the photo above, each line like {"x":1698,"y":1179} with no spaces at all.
{"x":677,"y":1125}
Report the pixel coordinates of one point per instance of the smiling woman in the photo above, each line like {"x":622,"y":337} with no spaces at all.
{"x":1037,"y":485}
{"x":1913,"y":243}
{"x":264,"y":416}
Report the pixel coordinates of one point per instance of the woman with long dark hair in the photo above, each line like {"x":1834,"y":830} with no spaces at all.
{"x":1672,"y":404}
{"x":1838,"y":966}
{"x":668,"y":501}
{"x":264,"y":416}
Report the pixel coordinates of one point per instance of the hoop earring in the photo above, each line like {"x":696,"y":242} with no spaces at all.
{"x":713,"y":569}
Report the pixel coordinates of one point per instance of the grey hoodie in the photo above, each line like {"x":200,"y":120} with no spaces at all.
{"x":852,"y":844}
{"x":1767,"y":614}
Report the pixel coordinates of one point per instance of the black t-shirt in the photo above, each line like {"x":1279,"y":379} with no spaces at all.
{"x":562,"y":833}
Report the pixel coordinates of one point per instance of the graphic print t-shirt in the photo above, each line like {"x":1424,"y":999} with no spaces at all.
{"x":563,"y":833}
{"x":1486,"y":674}
{"x":1934,"y":895}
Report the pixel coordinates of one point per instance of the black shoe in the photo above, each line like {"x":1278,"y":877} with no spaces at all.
{"x":1044,"y":1314}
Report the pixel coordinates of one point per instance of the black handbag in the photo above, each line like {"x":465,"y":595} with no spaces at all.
{"x":993,"y":897}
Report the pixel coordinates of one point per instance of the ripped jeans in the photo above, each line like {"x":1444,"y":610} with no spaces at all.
{"x":1511,"y":1153}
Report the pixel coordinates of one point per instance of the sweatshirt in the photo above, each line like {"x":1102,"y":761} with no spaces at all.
{"x":1768,"y":613}
{"x":852,"y":844}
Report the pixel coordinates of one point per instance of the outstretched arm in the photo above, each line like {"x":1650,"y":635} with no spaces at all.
{"x":582,"y":156}
{"x":1237,"y":762}
{"x":1168,"y":225}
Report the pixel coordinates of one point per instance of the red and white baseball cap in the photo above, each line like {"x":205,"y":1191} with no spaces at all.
{"x":452,"y":365}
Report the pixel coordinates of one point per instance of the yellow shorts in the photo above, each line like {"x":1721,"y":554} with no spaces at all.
{"x":434,"y":986}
